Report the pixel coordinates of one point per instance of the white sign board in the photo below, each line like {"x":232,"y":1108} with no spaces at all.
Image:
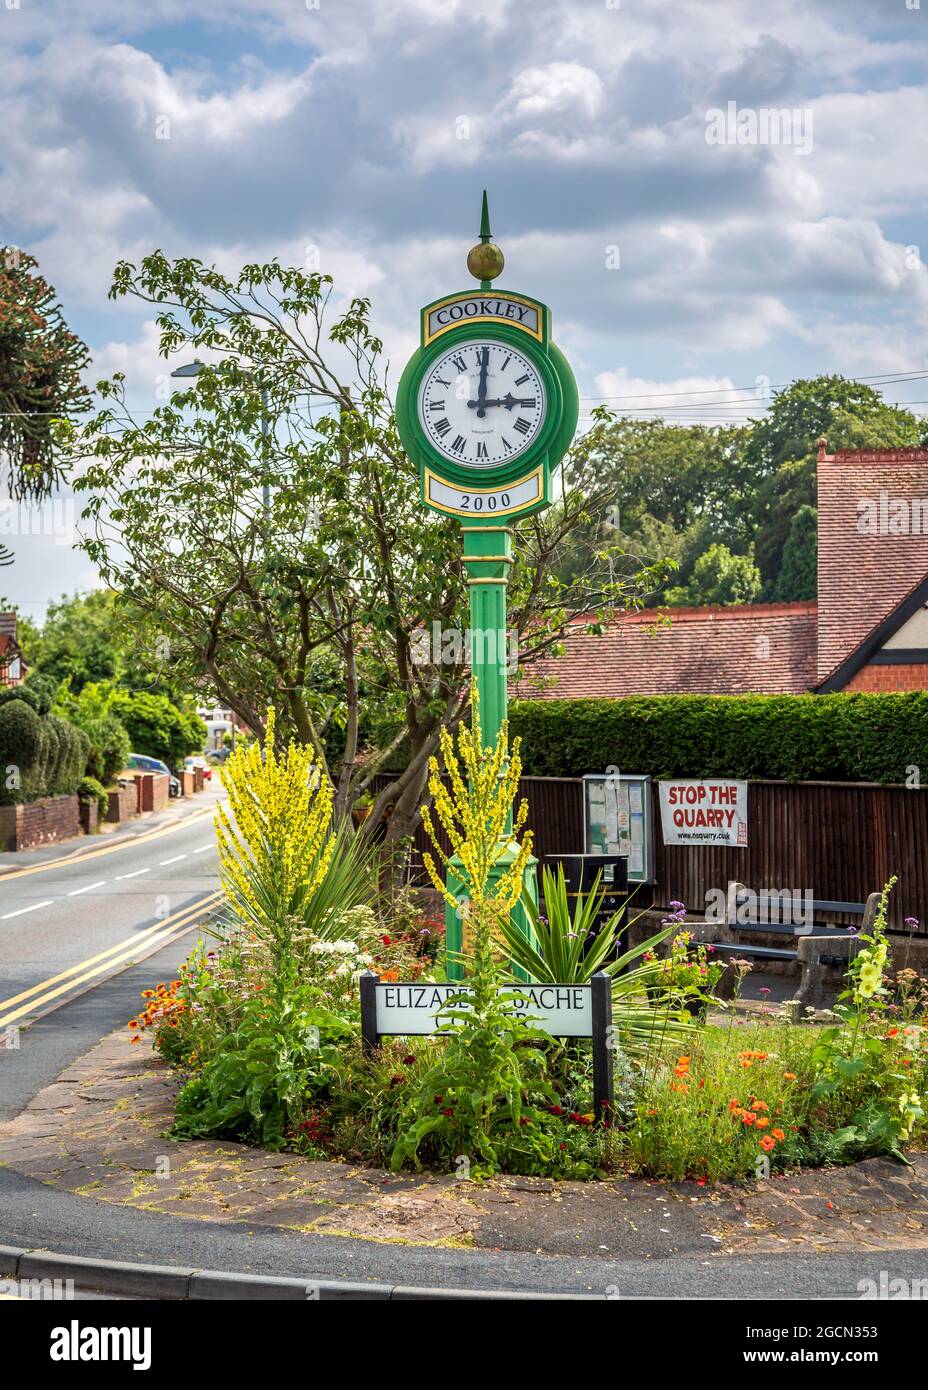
{"x":708,"y":812}
{"x":564,"y":1011}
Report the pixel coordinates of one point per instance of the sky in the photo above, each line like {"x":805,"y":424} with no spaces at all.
{"x":692,"y":263}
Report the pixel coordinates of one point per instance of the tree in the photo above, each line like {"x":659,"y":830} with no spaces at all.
{"x":719,"y":577}
{"x":677,"y":490}
{"x":782,"y":449}
{"x":80,"y":641}
{"x":92,"y":711}
{"x":158,"y":728}
{"x":40,"y":375}
{"x":317,"y":602}
{"x":98,"y":636}
{"x":798,"y":577}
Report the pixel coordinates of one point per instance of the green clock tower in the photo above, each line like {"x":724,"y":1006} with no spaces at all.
{"x":487,"y":407}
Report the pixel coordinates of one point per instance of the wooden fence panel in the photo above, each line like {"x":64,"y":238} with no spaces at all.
{"x":836,"y":840}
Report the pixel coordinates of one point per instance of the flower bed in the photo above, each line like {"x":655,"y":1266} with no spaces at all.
{"x":265,"y":1026}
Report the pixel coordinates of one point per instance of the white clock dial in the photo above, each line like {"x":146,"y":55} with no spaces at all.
{"x":482,"y":403}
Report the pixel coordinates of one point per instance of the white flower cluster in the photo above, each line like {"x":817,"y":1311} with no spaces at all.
{"x":334,"y":948}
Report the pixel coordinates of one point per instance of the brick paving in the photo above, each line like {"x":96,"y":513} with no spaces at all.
{"x":100,"y":1130}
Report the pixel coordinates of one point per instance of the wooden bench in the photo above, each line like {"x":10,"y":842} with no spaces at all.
{"x":814,"y":944}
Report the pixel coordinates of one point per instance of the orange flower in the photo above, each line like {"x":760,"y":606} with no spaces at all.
{"x":767,"y":1143}
{"x":679,"y":1086}
{"x":762,"y":1123}
{"x":760,"y":1105}
{"x":777,"y":1134}
{"x":747,"y":1118}
{"x":789,"y":1076}
{"x":734,"y":1105}
{"x":390,"y":976}
{"x":893,"y":1032}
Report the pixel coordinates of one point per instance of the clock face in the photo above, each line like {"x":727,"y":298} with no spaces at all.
{"x":482,"y":403}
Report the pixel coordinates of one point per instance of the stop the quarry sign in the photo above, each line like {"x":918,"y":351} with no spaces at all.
{"x":706,"y":812}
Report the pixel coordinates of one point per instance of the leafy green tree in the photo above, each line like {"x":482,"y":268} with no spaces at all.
{"x":315,"y":600}
{"x":673,"y":490}
{"x":798,"y":577}
{"x":719,"y":577}
{"x":783,"y":446}
{"x":158,"y":728}
{"x":92,"y":711}
{"x":78,"y":642}
{"x":41,"y":363}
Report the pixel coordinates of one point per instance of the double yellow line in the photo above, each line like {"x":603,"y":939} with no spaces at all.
{"x":127,"y":952}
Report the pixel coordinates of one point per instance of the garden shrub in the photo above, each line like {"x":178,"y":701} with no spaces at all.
{"x":840,"y":737}
{"x":89,"y":789}
{"x":40,"y":755}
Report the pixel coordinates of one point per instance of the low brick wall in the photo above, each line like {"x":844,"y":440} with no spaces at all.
{"x":199,"y":777}
{"x":39,"y":822}
{"x":122,"y":803}
{"x":187,"y":784}
{"x":89,"y":813}
{"x":154,"y":791}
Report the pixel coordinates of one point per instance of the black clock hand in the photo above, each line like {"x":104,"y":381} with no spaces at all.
{"x":480,"y":402}
{"x":508,"y":401}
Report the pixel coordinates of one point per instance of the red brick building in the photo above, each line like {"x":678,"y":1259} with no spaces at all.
{"x":867,"y":631}
{"x":12,"y":666}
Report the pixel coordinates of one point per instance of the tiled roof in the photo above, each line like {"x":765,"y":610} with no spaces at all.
{"x":872,"y":544}
{"x":758,"y":647}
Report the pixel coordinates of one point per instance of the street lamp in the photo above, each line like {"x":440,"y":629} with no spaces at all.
{"x":194,"y":368}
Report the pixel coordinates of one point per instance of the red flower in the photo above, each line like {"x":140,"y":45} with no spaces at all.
{"x":448,"y":1111}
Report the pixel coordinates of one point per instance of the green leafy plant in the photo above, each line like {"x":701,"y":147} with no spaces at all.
{"x":560,"y":951}
{"x":858,"y":1064}
{"x":89,"y":789}
{"x":480,"y":1091}
{"x":287,"y":1045}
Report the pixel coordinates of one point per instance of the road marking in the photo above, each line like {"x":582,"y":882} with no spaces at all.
{"x":135,"y":874}
{"x":76,"y":892}
{"x":107,"y":849}
{"x":202,"y":849}
{"x":176,"y":860}
{"x":34,"y":907}
{"x":123,"y":954}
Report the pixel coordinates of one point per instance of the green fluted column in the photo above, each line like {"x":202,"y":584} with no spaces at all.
{"x":487,"y":557}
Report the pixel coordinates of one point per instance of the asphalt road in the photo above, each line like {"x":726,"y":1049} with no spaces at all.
{"x":38,"y":1216}
{"x":67,"y":927}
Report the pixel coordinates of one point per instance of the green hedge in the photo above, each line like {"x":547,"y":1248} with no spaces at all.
{"x":40,"y":754}
{"x":796,"y":738}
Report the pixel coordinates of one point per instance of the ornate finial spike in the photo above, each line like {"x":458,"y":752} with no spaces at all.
{"x":485,"y":234}
{"x":485,"y":261}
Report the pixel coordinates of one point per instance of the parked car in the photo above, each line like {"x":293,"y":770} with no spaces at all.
{"x":196,"y":761}
{"x":217,"y":755}
{"x":141,"y":762}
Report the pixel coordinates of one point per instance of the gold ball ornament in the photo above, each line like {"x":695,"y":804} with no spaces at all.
{"x":485,"y":261}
